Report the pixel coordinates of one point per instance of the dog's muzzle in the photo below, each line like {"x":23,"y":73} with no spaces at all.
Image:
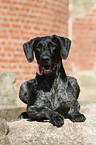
{"x":46,"y":67}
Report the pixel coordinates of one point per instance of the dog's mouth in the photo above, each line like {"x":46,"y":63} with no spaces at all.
{"x":46,"y":69}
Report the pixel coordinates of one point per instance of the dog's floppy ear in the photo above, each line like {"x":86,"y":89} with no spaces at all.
{"x":65,"y":44}
{"x":28,"y":49}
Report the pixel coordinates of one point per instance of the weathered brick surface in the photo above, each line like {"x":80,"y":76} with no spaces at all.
{"x":21,"y":21}
{"x":83,"y":53}
{"x":84,"y":39}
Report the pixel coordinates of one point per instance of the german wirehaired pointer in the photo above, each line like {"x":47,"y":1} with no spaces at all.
{"x":51,"y":95}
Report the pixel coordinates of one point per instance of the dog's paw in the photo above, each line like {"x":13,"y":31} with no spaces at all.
{"x":78,"y":118}
{"x":57,"y":119}
{"x":23,"y":115}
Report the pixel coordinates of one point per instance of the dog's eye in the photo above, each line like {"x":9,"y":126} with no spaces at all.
{"x":38,"y":48}
{"x":52,"y":47}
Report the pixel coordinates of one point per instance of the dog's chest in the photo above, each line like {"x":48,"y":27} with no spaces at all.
{"x":55,"y":97}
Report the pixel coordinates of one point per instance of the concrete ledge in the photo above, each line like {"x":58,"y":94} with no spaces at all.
{"x":10,"y":112}
{"x":24,"y":132}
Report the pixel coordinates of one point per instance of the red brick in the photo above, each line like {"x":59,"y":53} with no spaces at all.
{"x":16,"y":26}
{"x":2,"y":54}
{"x":3,"y":43}
{"x":8,"y":49}
{"x":18,"y":55}
{"x":3,"y":36}
{"x":14,"y":31}
{"x":5,"y":25}
{"x":84,"y":34}
{"x":22,"y":21}
{"x":15,"y":37}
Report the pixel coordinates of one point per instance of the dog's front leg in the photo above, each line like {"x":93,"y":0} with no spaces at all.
{"x":36,"y":112}
{"x":74,"y":114}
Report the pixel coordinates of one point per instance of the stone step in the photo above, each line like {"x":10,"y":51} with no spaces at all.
{"x":10,"y":112}
{"x":26,"y":132}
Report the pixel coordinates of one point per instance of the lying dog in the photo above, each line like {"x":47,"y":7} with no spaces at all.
{"x":51,"y":95}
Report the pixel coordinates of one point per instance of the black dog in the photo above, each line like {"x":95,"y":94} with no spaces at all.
{"x":51,"y":95}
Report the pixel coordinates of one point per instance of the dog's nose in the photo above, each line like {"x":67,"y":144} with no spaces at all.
{"x":45,"y":59}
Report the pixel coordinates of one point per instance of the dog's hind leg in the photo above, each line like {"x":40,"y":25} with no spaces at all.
{"x":23,"y":115}
{"x":24,"y":91}
{"x":75,"y":86}
{"x":23,"y":95}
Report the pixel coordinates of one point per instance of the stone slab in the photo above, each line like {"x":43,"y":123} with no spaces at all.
{"x":4,"y":130}
{"x":24,"y":132}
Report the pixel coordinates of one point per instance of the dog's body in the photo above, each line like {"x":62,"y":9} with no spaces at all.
{"x":51,"y":95}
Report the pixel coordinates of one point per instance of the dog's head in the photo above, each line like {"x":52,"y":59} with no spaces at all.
{"x":48,"y":51}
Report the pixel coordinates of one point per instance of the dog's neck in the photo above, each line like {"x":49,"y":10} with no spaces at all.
{"x":60,"y":71}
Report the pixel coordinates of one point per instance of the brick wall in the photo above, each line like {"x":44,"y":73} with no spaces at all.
{"x":84,"y":38}
{"x":83,"y":53}
{"x":22,"y":20}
